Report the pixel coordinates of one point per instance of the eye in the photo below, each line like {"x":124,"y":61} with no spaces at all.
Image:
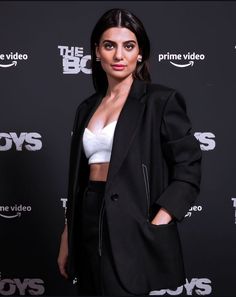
{"x":108,"y":45}
{"x":129,"y":46}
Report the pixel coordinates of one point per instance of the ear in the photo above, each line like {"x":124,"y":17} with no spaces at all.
{"x":97,"y":51}
{"x":139,"y":58}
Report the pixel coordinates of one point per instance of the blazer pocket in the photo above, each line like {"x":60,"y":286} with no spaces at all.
{"x":165,"y":242}
{"x":163,"y":255}
{"x":164,"y":238}
{"x":172,"y":222}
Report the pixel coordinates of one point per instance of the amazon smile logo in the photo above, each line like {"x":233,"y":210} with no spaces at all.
{"x":9,"y":60}
{"x":13,"y":211}
{"x":181,"y":60}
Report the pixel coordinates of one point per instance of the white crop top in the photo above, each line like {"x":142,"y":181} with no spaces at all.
{"x":97,"y":147}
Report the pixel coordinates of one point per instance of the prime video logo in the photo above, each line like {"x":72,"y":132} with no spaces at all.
{"x":181,"y":60}
{"x":11,"y":59}
{"x":14,"y":211}
{"x":194,"y":208}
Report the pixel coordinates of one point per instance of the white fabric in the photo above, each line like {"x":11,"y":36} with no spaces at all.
{"x":97,"y":147}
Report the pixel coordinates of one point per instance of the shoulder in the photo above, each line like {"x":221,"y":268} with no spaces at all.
{"x":86,"y":102}
{"x":156,"y":87}
{"x":82,"y":107}
{"x":161,"y":92}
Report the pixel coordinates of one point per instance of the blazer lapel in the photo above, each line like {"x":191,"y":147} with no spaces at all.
{"x":77,"y":141}
{"x":126,"y":126}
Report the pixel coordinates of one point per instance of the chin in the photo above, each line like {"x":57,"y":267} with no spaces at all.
{"x":119,"y":75}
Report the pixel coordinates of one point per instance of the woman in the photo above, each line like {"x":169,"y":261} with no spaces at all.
{"x":134,"y":171}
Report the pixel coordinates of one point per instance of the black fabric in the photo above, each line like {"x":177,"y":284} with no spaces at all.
{"x":155,"y":162}
{"x":99,"y":277}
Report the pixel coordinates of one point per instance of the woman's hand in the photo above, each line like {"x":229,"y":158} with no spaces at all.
{"x":63,"y":253}
{"x":162,"y":217}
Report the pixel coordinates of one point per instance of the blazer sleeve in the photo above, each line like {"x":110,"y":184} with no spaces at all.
{"x":183,"y":155}
{"x":72,"y":162}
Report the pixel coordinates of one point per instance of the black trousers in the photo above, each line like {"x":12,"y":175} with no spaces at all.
{"x":99,"y":277}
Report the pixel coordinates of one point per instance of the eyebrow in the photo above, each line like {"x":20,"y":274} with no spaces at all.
{"x":107,"y":40}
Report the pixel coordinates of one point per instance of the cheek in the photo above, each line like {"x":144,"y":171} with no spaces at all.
{"x":106,"y":56}
{"x":105,"y":61}
{"x":133,"y":60}
{"x":133,"y":57}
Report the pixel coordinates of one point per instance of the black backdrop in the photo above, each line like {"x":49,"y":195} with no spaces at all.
{"x":45,"y":74}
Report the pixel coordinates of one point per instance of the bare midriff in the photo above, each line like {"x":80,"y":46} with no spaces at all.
{"x":98,"y":171}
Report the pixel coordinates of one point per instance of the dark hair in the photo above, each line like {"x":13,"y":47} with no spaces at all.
{"x":117,"y":17}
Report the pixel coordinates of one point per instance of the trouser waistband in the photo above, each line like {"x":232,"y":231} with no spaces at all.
{"x":96,"y":185}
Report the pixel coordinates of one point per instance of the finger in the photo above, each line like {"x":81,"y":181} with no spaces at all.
{"x":63,"y":271}
{"x":64,"y":274}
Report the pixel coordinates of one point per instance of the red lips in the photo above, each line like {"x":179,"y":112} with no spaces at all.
{"x":118,"y":66}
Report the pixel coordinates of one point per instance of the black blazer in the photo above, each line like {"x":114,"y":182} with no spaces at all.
{"x":155,"y":162}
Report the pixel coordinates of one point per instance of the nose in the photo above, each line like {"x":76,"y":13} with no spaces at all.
{"x":118,"y":53}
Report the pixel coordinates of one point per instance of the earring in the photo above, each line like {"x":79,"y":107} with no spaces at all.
{"x":98,"y":59}
{"x":140,"y":59}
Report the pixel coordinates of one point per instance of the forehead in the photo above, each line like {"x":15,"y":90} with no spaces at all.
{"x":118,"y":35}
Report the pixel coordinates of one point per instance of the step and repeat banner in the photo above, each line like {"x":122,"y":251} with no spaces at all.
{"x":45,"y":73}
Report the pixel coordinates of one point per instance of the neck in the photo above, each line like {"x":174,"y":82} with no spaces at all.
{"x":118,"y":87}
